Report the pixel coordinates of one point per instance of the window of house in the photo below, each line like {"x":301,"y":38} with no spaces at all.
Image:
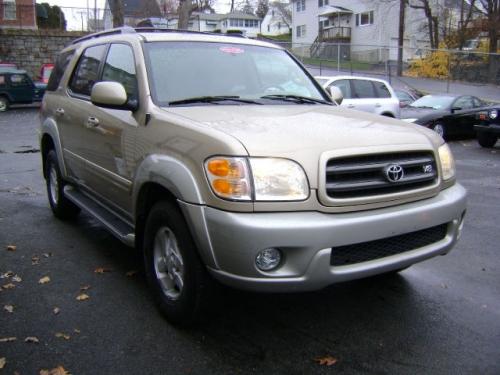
{"x":301,"y":5}
{"x":322,"y":3}
{"x":268,"y":28}
{"x":86,"y":73}
{"x":301,"y":31}
{"x":9,"y":10}
{"x":364,"y":19}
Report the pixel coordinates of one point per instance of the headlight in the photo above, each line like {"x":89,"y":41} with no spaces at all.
{"x":272,"y":179}
{"x":447,"y":162}
{"x":278,"y":180}
{"x":493,"y":114}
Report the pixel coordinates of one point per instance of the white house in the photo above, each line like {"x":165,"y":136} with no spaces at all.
{"x":369,"y":26}
{"x":248,"y":23}
{"x":274,"y":22}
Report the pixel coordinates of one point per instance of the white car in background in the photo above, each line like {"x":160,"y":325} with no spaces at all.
{"x":365,"y":94}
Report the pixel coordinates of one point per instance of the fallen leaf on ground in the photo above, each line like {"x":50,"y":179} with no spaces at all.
{"x":56,"y":310}
{"x":76,"y":330}
{"x":326,"y":361}
{"x":82,"y":297}
{"x":35,"y":259}
{"x":32,"y":339}
{"x":102,"y":270}
{"x":17,"y":279}
{"x":83,"y":288}
{"x":6,"y":275}
{"x":63,"y":335}
{"x":8,"y":286}
{"x":2,"y":362}
{"x":8,"y":339}
{"x":9,"y":308}
{"x":47,"y":255}
{"x":11,"y":247}
{"x":44,"y":280}
{"x":59,"y":370}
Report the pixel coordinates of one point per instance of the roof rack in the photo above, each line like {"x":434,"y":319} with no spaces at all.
{"x":145,"y":29}
{"x":118,"y":30}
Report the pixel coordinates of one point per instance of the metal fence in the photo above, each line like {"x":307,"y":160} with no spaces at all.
{"x":444,"y":66}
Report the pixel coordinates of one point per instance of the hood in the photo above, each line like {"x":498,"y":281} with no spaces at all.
{"x":304,"y":132}
{"x":418,"y":113}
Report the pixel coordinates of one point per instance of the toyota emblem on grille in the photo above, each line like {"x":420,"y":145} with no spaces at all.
{"x":394,"y":172}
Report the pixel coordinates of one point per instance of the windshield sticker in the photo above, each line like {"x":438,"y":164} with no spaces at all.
{"x":232,"y":50}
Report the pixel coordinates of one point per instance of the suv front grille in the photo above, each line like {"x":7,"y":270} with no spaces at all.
{"x":369,"y":175}
{"x":366,"y":251}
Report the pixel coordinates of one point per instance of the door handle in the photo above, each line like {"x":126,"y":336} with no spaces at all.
{"x":92,"y":122}
{"x":350,"y":106}
{"x":378,"y":105}
{"x":60,"y":111}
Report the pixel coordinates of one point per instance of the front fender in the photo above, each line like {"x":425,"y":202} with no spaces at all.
{"x":49,"y":127}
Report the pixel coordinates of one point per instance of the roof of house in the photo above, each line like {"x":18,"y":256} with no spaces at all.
{"x":240,"y":15}
{"x":207,"y":16}
{"x":138,"y":8}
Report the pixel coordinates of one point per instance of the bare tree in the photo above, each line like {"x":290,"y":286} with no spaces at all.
{"x":117,"y":12}
{"x":262,"y":8}
{"x":432,"y":21}
{"x":284,"y":10}
{"x":185,"y":9}
{"x":491,"y":10}
{"x":401,"y":35}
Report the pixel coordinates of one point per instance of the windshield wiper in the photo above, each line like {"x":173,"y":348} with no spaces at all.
{"x":213,"y":99}
{"x":295,"y":99}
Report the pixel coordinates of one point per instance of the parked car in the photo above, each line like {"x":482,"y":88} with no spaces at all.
{"x":407,"y":96}
{"x":222,"y":158}
{"x":488,"y":126}
{"x":447,"y":115}
{"x":45,"y":72}
{"x":16,"y":87}
{"x":365,"y":94}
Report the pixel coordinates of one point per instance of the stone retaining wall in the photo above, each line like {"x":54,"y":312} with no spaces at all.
{"x":29,"y":49}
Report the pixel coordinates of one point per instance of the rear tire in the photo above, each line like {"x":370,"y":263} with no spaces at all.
{"x":179,"y":281}
{"x":4,"y":104}
{"x":486,"y":140}
{"x":60,"y":205}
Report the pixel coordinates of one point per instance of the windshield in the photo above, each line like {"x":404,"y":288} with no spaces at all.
{"x":434,"y":102}
{"x":186,"y":70}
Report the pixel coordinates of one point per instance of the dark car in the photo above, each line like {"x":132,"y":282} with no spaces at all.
{"x":447,"y":115}
{"x":16,"y":87}
{"x":488,"y":126}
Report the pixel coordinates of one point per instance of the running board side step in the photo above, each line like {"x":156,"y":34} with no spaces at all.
{"x":115,"y":224}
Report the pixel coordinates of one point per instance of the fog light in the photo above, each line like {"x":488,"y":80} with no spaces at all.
{"x":268,"y":259}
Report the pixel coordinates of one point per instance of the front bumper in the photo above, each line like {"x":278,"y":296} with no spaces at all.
{"x":229,"y":242}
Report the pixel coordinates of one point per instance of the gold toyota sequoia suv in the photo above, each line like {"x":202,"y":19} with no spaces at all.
{"x":221,"y":158}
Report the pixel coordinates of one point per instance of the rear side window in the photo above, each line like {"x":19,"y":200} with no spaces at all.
{"x":120,"y":67}
{"x":87,"y":70}
{"x":19,"y":80}
{"x":363,"y":89}
{"x":344,"y":86}
{"x":382,"y":90}
{"x":61,"y":63}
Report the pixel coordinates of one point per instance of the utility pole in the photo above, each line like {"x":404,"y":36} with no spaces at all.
{"x":401,"y":36}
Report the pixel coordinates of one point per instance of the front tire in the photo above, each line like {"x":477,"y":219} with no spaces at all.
{"x":4,"y":104}
{"x":486,"y":140}
{"x":440,"y":129}
{"x":177,"y":277}
{"x":60,"y":205}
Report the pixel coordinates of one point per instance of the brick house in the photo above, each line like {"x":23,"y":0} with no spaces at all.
{"x":17,"y":14}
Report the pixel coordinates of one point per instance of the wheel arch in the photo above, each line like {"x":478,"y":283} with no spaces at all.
{"x":50,"y":140}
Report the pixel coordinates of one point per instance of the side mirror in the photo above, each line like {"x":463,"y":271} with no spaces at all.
{"x":336,"y":94}
{"x":111,"y":95}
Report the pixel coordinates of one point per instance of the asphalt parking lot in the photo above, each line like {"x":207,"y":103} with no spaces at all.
{"x":438,"y":317}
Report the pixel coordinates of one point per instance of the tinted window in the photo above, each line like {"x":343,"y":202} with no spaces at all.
{"x":87,"y":70}
{"x":58,"y":72}
{"x":363,"y":89}
{"x":120,"y":67}
{"x":404,"y":96}
{"x":344,"y":86}
{"x":478,"y":102}
{"x":18,"y":80}
{"x":464,"y":102}
{"x":382,"y":90}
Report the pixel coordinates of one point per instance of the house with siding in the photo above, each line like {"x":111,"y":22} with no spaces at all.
{"x":365,"y":30}
{"x":274,"y":22}
{"x":17,"y":14}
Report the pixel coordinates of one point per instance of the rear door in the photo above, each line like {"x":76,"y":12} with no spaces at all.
{"x":364,"y":95}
